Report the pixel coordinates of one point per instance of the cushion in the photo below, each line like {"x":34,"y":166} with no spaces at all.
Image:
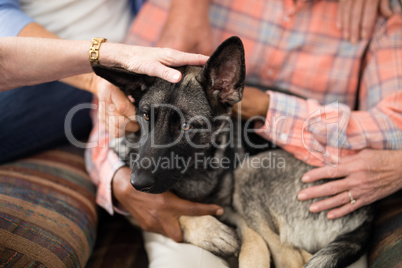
{"x":48,"y":215}
{"x":386,"y":244}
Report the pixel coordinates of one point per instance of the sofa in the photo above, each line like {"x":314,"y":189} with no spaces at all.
{"x":49,"y":218}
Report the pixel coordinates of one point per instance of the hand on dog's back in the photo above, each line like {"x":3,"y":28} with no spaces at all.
{"x":157,"y":213}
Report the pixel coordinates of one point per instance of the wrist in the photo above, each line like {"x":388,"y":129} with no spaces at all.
{"x":81,"y":81}
{"x":105,"y":55}
{"x":264,"y":106}
{"x":119,"y":180}
{"x":94,"y":49}
{"x":109,"y":57}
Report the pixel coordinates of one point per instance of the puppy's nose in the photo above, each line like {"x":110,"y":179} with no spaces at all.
{"x":143,"y":182}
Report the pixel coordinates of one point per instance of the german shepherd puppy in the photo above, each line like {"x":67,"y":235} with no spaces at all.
{"x":189,"y":145}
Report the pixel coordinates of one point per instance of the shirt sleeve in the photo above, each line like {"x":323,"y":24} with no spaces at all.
{"x":12,"y":19}
{"x":320,"y":134}
{"x":102,"y":163}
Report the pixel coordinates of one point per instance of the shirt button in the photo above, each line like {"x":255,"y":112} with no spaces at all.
{"x":283,"y":137}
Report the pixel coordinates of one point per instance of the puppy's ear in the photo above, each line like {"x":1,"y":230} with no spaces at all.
{"x":131,"y":83}
{"x":223,"y":75}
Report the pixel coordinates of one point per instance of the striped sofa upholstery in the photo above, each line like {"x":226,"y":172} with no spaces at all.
{"x":48,"y":215}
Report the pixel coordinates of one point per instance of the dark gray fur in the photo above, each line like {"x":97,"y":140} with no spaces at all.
{"x":265,"y":198}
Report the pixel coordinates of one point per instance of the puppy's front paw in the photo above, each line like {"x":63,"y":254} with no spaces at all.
{"x":210,"y":234}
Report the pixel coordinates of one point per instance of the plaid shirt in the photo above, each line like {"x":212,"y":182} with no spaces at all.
{"x":295,"y":46}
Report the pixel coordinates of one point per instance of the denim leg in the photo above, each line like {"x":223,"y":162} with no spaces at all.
{"x":32,"y":118}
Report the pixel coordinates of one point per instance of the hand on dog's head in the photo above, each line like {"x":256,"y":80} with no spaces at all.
{"x":222,"y":77}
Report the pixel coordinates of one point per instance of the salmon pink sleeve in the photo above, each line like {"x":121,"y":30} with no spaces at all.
{"x":318,"y":133}
{"x":101,"y":163}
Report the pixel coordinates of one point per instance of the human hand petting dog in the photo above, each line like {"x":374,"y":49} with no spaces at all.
{"x":356,"y":18}
{"x":368,"y":176}
{"x":187,"y":27}
{"x":157,"y":213}
{"x":116,"y":111}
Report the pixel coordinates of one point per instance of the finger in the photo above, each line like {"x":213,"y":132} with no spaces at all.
{"x":348,"y":159}
{"x":102,"y":113}
{"x":175,"y":58}
{"x":178,"y":58}
{"x":173,"y":229}
{"x":123,"y":105}
{"x":116,"y":125}
{"x":199,"y":209}
{"x":127,"y":124}
{"x":326,"y":172}
{"x":166,"y":73}
{"x":326,"y":189}
{"x":385,"y":9}
{"x":344,"y":210}
{"x":329,"y":203}
{"x":369,"y":17}
{"x":355,"y":20}
{"x":346,"y":12}
{"x":131,"y":127}
{"x":119,"y":114}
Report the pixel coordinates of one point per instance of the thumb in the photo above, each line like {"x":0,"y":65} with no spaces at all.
{"x":122,"y":102}
{"x":199,"y":209}
{"x":172,"y":228}
{"x":326,"y":172}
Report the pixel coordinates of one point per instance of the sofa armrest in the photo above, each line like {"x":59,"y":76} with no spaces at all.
{"x":48,"y":214}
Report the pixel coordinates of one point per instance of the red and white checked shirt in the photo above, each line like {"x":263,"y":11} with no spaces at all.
{"x":296,"y":46}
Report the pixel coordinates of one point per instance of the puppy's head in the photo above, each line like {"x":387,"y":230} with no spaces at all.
{"x":178,"y":121}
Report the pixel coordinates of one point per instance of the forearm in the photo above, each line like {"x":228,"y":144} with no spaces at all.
{"x":29,"y":61}
{"x":101,"y":163}
{"x":315,"y":133}
{"x":82,"y":81}
{"x":36,"y":30}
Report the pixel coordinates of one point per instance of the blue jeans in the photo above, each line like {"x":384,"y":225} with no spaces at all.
{"x":32,"y":118}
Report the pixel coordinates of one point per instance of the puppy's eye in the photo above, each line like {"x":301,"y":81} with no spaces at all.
{"x":146,"y":116}
{"x":185,"y":126}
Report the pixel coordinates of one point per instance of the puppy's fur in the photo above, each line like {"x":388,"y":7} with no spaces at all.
{"x":190,"y":121}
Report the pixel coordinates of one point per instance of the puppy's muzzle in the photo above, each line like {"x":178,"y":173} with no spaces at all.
{"x":143,"y":182}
